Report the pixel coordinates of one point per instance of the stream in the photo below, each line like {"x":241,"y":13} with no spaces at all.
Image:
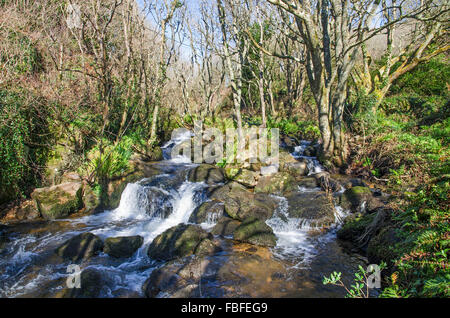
{"x":295,"y":266}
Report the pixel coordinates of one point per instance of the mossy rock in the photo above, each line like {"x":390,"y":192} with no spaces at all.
{"x":225,"y":227}
{"x":285,"y":157}
{"x":179,"y":278}
{"x":80,"y":247}
{"x":91,"y":283}
{"x":296,"y":169}
{"x":354,"y":227}
{"x":278,"y":183}
{"x":207,"y":173}
{"x":382,"y":247}
{"x":222,"y":192}
{"x":91,"y":199}
{"x":58,"y":201}
{"x":245,"y":177}
{"x":207,"y":247}
{"x":353,"y":198}
{"x":256,"y":232}
{"x":240,"y":203}
{"x":208,"y":211}
{"x":176,"y":242}
{"x":313,"y":207}
{"x":308,"y":182}
{"x":122,"y":246}
{"x":156,"y":154}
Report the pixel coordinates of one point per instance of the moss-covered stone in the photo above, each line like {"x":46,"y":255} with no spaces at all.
{"x":207,"y":173}
{"x":176,"y":242}
{"x":207,"y":247}
{"x":58,"y":201}
{"x":91,"y":199}
{"x":313,"y":207}
{"x":225,"y":226}
{"x":278,"y":183}
{"x":296,"y":169}
{"x":122,"y":246}
{"x":241,"y":203}
{"x":245,"y":177}
{"x":255,"y":231}
{"x":308,"y":182}
{"x":80,"y":247}
{"x":156,"y":154}
{"x":208,"y":211}
{"x":354,"y":227}
{"x":353,"y":198}
{"x":382,"y":246}
{"x":91,"y":283}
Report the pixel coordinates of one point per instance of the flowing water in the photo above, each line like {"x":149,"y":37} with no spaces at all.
{"x":30,"y":268}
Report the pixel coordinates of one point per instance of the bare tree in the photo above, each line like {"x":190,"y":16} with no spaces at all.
{"x":232,"y":15}
{"x":333,"y":32}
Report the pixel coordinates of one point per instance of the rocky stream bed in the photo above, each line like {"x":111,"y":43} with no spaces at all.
{"x":176,"y":229}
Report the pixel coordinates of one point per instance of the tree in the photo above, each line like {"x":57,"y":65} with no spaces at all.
{"x":333,"y":33}
{"x":165,"y":57}
{"x":232,"y":32}
{"x":418,"y":35}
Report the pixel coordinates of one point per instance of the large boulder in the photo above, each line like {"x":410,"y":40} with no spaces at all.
{"x":255,"y":231}
{"x":353,"y":199}
{"x":122,"y":246}
{"x":207,"y":173}
{"x":285,"y":158}
{"x":155,"y":154}
{"x":225,"y":227}
{"x":288,"y":143}
{"x":326,"y":182}
{"x":278,"y":183}
{"x":91,"y":283}
{"x":178,"y":241}
{"x":245,"y":177}
{"x":3,"y":237}
{"x":314,"y":208}
{"x":80,"y":247}
{"x":308,"y":182}
{"x":91,"y":199}
{"x":58,"y":201}
{"x":297,"y":169}
{"x":209,"y":211}
{"x":25,"y":211}
{"x":245,"y":271}
{"x":240,"y":203}
{"x":382,"y":246}
{"x":177,"y":278}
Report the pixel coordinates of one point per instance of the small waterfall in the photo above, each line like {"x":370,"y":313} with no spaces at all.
{"x":314,"y":165}
{"x":133,"y":203}
{"x":292,"y":233}
{"x":176,"y":140}
{"x":188,"y":197}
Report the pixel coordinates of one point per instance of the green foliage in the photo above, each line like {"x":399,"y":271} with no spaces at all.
{"x":108,"y":160}
{"x":424,"y":269}
{"x":306,"y":130}
{"x":23,"y":153}
{"x":21,"y":56}
{"x":359,"y":288}
{"x":426,"y":79}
